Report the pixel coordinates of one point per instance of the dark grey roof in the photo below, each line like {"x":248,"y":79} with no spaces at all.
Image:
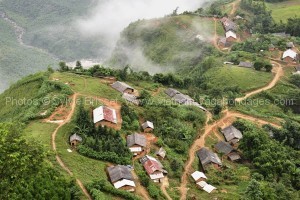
{"x":223,"y":147}
{"x":246,"y":64}
{"x":183,"y":99}
{"x":75,"y":137}
{"x":161,"y":152}
{"x":234,"y":156}
{"x":298,"y":68}
{"x":171,"y":92}
{"x":228,"y":24}
{"x":289,"y":44}
{"x":119,"y":172}
{"x":131,"y":98}
{"x":136,"y":139}
{"x":120,"y":86}
{"x":207,"y":157}
{"x":231,"y":133}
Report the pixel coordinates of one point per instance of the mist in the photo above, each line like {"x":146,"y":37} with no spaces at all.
{"x":110,"y":17}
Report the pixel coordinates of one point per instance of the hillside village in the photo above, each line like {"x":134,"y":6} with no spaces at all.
{"x":121,"y":134}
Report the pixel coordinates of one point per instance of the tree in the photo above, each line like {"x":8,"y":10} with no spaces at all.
{"x":253,"y":191}
{"x":217,"y":109}
{"x":295,"y":79}
{"x":268,"y":67}
{"x":63,"y":67}
{"x":258,"y":65}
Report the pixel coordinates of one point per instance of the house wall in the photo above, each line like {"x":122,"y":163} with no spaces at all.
{"x":148,"y":130}
{"x":288,"y":59}
{"x":106,"y":123}
{"x":75,"y":143}
{"x":129,"y":91}
{"x":230,"y":39}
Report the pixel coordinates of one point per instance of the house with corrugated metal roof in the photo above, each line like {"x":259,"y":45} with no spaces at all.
{"x":122,"y":87}
{"x":226,"y":149}
{"x":232,"y":134}
{"x":208,"y":157}
{"x":148,"y":126}
{"x":136,"y":143}
{"x":104,"y":114}
{"x":121,"y":177}
{"x":153,"y":168}
{"x":75,"y":140}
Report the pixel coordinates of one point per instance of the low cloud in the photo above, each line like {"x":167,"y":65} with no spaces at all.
{"x":110,"y":17}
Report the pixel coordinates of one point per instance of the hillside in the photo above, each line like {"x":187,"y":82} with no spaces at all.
{"x":164,"y":44}
{"x":198,"y":105}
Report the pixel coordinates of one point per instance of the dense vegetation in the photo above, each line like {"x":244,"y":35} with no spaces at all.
{"x":100,"y":143}
{"x":24,"y":172}
{"x":275,"y":163}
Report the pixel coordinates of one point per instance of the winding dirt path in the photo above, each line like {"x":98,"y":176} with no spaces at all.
{"x":60,"y":162}
{"x":164,"y":186}
{"x":226,"y":120}
{"x":234,"y":7}
{"x":139,"y":189}
{"x":278,"y":70}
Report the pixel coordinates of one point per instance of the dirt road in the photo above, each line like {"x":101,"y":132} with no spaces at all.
{"x":139,"y":189}
{"x":234,"y":7}
{"x":226,"y":120}
{"x":278,"y":70}
{"x":164,"y":186}
{"x":60,"y":162}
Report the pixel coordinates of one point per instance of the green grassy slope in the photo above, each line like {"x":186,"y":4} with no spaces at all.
{"x":284,"y":10}
{"x":167,"y":43}
{"x":17,"y":61}
{"x":230,"y":76}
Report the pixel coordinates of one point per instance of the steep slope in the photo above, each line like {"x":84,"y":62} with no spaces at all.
{"x":164,"y":44}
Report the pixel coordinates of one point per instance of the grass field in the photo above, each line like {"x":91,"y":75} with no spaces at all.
{"x":284,"y":10}
{"x":229,"y":76}
{"x":87,"y":85}
{"x":40,"y":132}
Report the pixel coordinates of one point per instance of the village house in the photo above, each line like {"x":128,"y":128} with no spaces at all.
{"x":228,"y":24}
{"x":171,"y":92}
{"x":226,"y":149}
{"x":183,"y":99}
{"x":161,"y":153}
{"x":271,"y":47}
{"x":230,"y":36}
{"x":121,"y":177}
{"x":246,"y":64}
{"x":136,"y":143}
{"x":198,"y":176}
{"x":131,"y":98}
{"x":223,"y":43}
{"x":148,"y":127}
{"x":206,"y":187}
{"x":122,"y":87}
{"x":290,"y":45}
{"x":104,"y":115}
{"x":153,"y":168}
{"x":232,"y":134}
{"x":289,"y":56}
{"x":208,"y":157}
{"x":75,"y":140}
